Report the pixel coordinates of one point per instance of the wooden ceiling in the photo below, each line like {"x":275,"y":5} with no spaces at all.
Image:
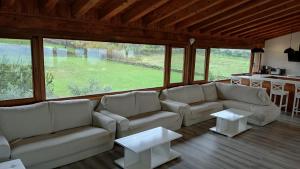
{"x":237,"y":19}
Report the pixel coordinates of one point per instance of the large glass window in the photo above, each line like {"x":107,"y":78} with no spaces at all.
{"x":224,"y":62}
{"x":199,"y":73}
{"x":177,"y":65}
{"x":75,"y":68}
{"x":15,"y":69}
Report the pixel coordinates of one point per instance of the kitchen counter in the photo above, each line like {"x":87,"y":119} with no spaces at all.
{"x":268,"y":77}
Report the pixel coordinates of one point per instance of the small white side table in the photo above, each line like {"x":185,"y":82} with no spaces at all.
{"x":13,"y":164}
{"x":231,"y":122}
{"x":147,"y":149}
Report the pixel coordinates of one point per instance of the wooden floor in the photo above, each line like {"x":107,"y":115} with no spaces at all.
{"x":275,"y":146}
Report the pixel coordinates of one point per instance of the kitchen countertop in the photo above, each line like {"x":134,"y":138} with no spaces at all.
{"x":268,"y":77}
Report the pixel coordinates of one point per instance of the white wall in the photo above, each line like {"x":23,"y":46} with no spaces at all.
{"x":275,"y":57}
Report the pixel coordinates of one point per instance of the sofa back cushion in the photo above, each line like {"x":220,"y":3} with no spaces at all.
{"x":185,"y":94}
{"x":70,"y":113}
{"x":246,"y":94}
{"x":147,"y":101}
{"x":121,"y":104}
{"x":25,"y":121}
{"x":210,"y":91}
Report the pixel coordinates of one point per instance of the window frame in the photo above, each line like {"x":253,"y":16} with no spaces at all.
{"x":206,"y":65}
{"x":169,"y":61}
{"x":183,"y":66}
{"x":35,"y":76}
{"x":228,"y":79}
{"x":98,"y":95}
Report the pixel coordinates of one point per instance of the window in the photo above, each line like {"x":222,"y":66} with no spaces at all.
{"x":15,"y":69}
{"x":199,"y":73}
{"x":75,"y":68}
{"x":224,"y":62}
{"x":177,"y":65}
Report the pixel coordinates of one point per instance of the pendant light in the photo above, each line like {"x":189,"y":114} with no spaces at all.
{"x":290,"y":50}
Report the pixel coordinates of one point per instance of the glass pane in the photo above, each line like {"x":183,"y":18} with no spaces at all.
{"x":224,"y":62}
{"x":177,"y":64}
{"x":199,"y":73}
{"x":75,"y":68}
{"x":15,"y":69}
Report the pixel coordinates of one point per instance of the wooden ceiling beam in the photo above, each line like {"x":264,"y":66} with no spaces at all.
{"x":277,"y":34}
{"x":259,"y":12}
{"x":114,"y":7}
{"x":166,"y":10}
{"x":141,"y":9}
{"x":263,"y":17}
{"x":264,"y":22}
{"x":80,"y":7}
{"x":188,"y":12}
{"x":288,"y":25}
{"x":209,"y":13}
{"x":231,"y":14}
{"x":10,"y":2}
{"x":285,"y":24}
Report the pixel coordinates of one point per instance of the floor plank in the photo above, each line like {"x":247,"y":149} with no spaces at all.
{"x":275,"y":146}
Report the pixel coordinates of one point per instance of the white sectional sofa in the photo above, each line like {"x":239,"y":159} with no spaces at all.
{"x":55,"y":133}
{"x":139,"y":111}
{"x":202,"y":100}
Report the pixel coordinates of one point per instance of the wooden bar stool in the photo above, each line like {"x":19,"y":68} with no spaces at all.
{"x":256,"y":83}
{"x":296,"y":108}
{"x":277,"y":89}
{"x":236,"y":80}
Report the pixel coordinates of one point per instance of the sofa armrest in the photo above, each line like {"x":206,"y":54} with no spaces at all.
{"x":4,"y":148}
{"x":104,"y":121}
{"x":174,"y":106}
{"x":122,"y":122}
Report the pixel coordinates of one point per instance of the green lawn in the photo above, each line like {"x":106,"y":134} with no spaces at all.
{"x":74,"y":71}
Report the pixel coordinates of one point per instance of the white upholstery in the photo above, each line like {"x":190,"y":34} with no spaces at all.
{"x":103,"y":121}
{"x":122,"y":122}
{"x":243,"y":93}
{"x":25,"y":121}
{"x":4,"y":148}
{"x":201,"y":112}
{"x":121,"y":104}
{"x":147,"y":101}
{"x":262,"y":114}
{"x":210,"y":92}
{"x":150,"y":120}
{"x":146,"y":112}
{"x":31,"y":139}
{"x":234,"y":96}
{"x":185,"y":94}
{"x":45,"y":148}
{"x":70,"y":113}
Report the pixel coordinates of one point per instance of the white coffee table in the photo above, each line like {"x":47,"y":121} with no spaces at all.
{"x":12,"y":164}
{"x":148,"y":149}
{"x":231,"y":122}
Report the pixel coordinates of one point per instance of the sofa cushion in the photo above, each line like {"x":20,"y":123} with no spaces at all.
{"x":262,"y":114}
{"x":236,"y":104}
{"x":25,"y":121}
{"x":202,"y":109}
{"x":210,"y":91}
{"x":70,"y":113}
{"x":121,"y":104}
{"x":150,"y":120}
{"x":246,"y":94}
{"x":147,"y":101}
{"x":54,"y":146}
{"x":186,"y":94}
